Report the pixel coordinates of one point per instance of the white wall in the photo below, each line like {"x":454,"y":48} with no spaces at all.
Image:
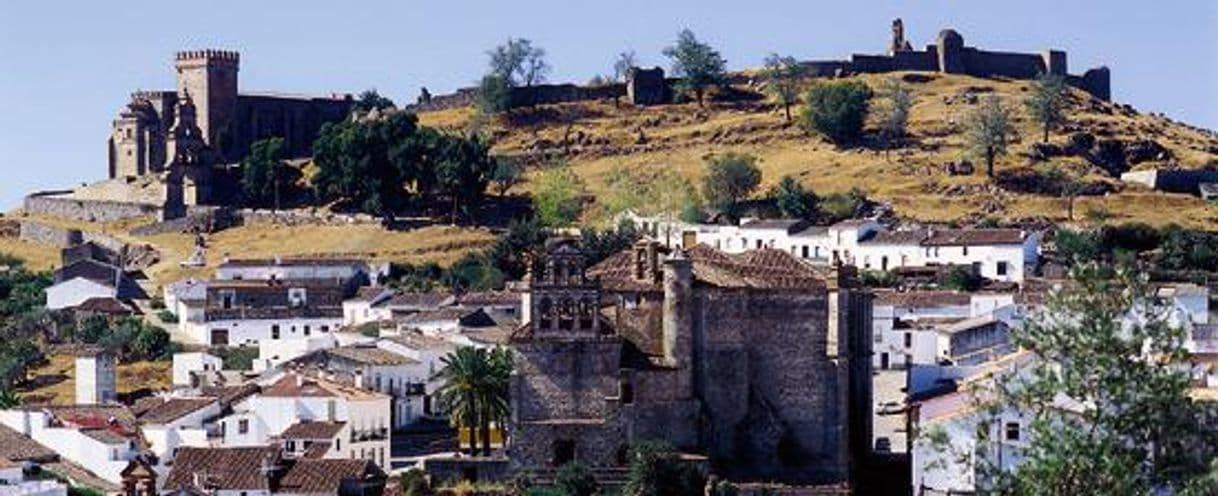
{"x":272,"y":352}
{"x":251,"y":331}
{"x":75,"y":291}
{"x":186,"y":363}
{"x":104,"y":460}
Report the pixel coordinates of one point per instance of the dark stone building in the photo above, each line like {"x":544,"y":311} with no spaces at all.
{"x":756,"y":361}
{"x":228,"y":121}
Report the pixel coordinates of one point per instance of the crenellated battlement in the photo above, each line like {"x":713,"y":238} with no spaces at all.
{"x":208,"y":55}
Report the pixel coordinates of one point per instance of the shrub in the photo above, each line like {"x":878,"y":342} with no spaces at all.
{"x":167,"y":317}
{"x":574,"y":479}
{"x":960,"y":279}
{"x":837,"y":110}
{"x":558,"y":199}
{"x":730,"y":177}
{"x":236,"y":357}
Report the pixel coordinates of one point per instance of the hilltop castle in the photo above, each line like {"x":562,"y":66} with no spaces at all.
{"x":948,"y":54}
{"x":205,"y":121}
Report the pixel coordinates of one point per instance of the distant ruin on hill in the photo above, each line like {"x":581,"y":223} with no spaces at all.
{"x":948,"y":54}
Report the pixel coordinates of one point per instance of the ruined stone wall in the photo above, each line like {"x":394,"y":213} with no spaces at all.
{"x":41,"y":233}
{"x":10,"y":228}
{"x":54,"y":203}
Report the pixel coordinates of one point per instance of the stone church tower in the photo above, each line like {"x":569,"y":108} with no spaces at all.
{"x":565,"y":389}
{"x":188,"y":176}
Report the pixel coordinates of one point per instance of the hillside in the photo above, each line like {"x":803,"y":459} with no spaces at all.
{"x":596,"y":137}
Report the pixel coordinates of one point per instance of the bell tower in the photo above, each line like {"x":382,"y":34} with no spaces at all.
{"x":563,"y":302}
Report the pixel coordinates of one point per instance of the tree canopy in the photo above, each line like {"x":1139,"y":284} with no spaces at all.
{"x":782,"y":75}
{"x":697,"y":64}
{"x":730,"y":177}
{"x":265,"y":178}
{"x":1046,"y":102}
{"x":370,"y":99}
{"x":837,"y":110}
{"x":988,"y":130}
{"x":519,"y":63}
{"x":1106,"y":345}
{"x":377,"y":165}
{"x":558,"y":199}
{"x":793,"y":201}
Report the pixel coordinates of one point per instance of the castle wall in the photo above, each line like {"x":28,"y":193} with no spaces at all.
{"x":1005,"y":64}
{"x":296,"y":120}
{"x":38,"y":232}
{"x":54,"y":203}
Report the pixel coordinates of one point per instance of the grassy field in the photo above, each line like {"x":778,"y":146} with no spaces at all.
{"x":912,"y":179}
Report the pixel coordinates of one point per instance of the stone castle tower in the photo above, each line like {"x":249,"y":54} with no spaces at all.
{"x":210,"y":78}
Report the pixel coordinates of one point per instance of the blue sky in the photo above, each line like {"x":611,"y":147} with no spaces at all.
{"x":66,"y":68}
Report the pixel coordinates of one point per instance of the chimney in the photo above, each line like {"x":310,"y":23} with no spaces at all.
{"x":359,"y":379}
{"x":299,"y":379}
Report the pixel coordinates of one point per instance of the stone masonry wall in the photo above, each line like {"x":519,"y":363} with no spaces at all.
{"x":54,"y":203}
{"x":38,"y":232}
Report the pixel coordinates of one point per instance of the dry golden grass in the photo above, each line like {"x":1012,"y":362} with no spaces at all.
{"x":441,"y":244}
{"x":680,"y":137}
{"x":55,"y":382}
{"x":37,"y":257}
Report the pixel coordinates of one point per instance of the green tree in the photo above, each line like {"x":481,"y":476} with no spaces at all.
{"x":367,"y":162}
{"x":894,"y":112}
{"x":559,"y":197}
{"x":494,"y":95}
{"x":988,"y":130}
{"x":523,"y":243}
{"x":1105,"y":345}
{"x":506,"y":174}
{"x":463,"y":168}
{"x":782,"y":75}
{"x":264,"y":175}
{"x":730,"y":177}
{"x":414,"y":483}
{"x":793,"y":201}
{"x":837,"y":110}
{"x":697,"y":64}
{"x":1046,"y":102}
{"x":519,"y":63}
{"x":370,"y":99}
{"x":150,"y":343}
{"x":574,"y":479}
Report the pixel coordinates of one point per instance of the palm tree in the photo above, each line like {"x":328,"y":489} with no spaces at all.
{"x":475,"y":391}
{"x":462,"y":374}
{"x":495,"y":395}
{"x":9,"y":399}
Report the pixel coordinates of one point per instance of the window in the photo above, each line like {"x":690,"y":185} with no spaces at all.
{"x":227,"y":298}
{"x":759,"y":244}
{"x":306,"y":330}
{"x":908,"y":339}
{"x":243,"y":426}
{"x":297,"y":297}
{"x":338,"y":444}
{"x":325,"y":328}
{"x":1002,"y":268}
{"x":1012,"y":433}
{"x":274,"y":331}
{"x":964,"y":250}
{"x":805,"y":251}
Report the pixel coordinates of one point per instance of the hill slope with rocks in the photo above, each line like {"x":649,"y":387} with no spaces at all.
{"x":920,"y":181}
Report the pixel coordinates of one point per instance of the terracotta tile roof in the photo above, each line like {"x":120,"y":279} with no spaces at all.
{"x":268,"y":313}
{"x":114,"y":416}
{"x":433,"y":299}
{"x":104,"y":304}
{"x":317,"y":449}
{"x":231,"y":394}
{"x":313,"y":476}
{"x":922,"y":299}
{"x":370,"y":355}
{"x":313,"y":430}
{"x":173,"y":409}
{"x":901,"y":237}
{"x":17,"y":447}
{"x":488,"y":298}
{"x":420,"y":341}
{"x":789,"y":225}
{"x":235,"y":469}
{"x":753,"y":269}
